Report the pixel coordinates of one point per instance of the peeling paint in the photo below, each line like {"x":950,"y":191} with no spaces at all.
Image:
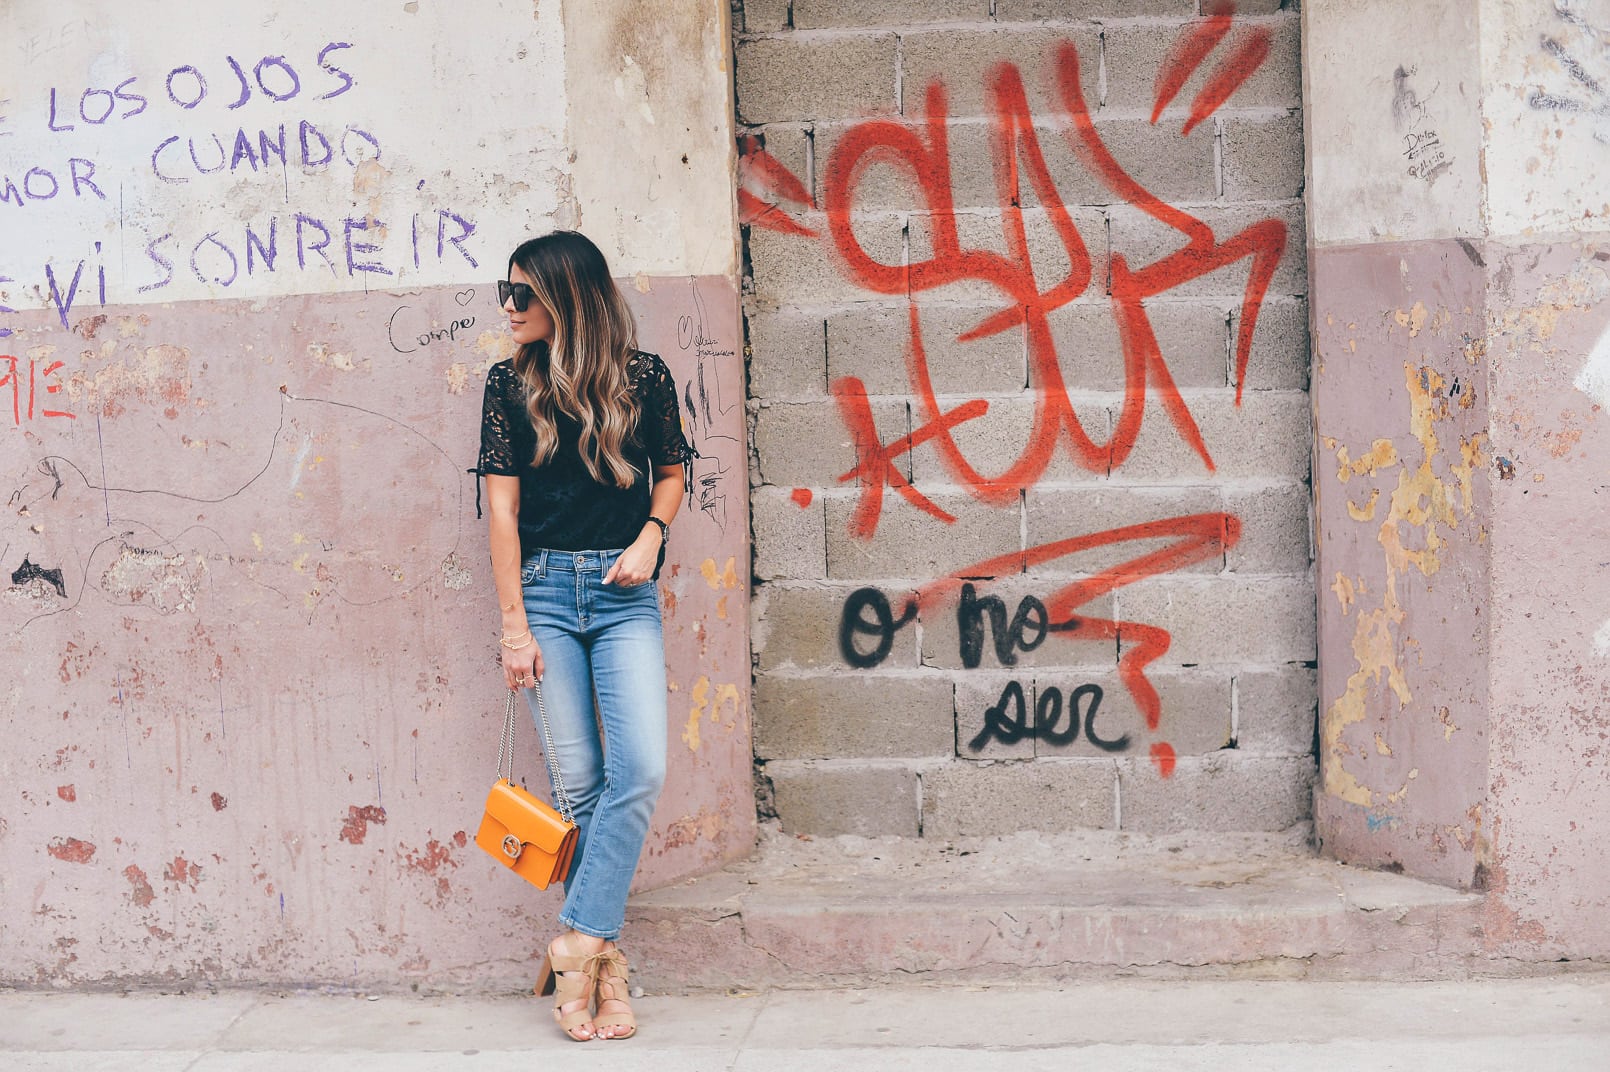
{"x":142,"y":894}
{"x":1421,"y":503}
{"x":355,"y":827}
{"x":454,"y":575}
{"x":717,"y":579}
{"x":167,"y":583}
{"x":1345,"y":592}
{"x":725,"y":694}
{"x":71,"y":850}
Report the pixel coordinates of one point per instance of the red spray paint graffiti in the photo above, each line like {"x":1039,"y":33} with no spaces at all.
{"x":921,"y":151}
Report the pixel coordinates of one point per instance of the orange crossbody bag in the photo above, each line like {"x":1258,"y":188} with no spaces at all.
{"x":519,"y":831}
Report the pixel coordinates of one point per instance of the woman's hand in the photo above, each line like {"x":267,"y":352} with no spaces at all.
{"x":636,"y":563}
{"x":522,"y":666}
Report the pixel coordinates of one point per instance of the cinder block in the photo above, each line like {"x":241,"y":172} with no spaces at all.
{"x":1263,"y":157}
{"x":765,"y":16}
{"x":1265,"y":7}
{"x":1195,"y":717}
{"x":1053,"y":256}
{"x":1134,"y":54}
{"x":961,"y":60}
{"x":978,"y":799}
{"x":975,"y":694}
{"x":790,"y":538}
{"x":853,"y":715}
{"x":1070,"y":10}
{"x":807,"y":444}
{"x":795,"y":270}
{"x":837,"y":797}
{"x":993,"y":444}
{"x":787,"y":356}
{"x":942,"y":629}
{"x":1276,"y":710}
{"x":800,"y":628}
{"x":895,"y":14}
{"x":1267,"y":437}
{"x":1274,"y":530}
{"x":793,"y":79}
{"x":1056,"y":514}
{"x":1218,"y":793}
{"x":1171,"y":166}
{"x":1143,"y":240}
{"x":872,"y":343}
{"x":1280,"y":357}
{"x":1192,"y":336}
{"x":1224,"y":621}
{"x":910,"y":543}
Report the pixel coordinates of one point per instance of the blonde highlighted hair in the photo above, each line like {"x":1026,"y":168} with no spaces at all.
{"x":593,"y":338}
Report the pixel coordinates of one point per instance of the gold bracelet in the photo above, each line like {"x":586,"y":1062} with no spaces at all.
{"x":516,"y":647}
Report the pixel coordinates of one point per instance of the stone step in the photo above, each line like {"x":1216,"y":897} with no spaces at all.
{"x":850,"y":911}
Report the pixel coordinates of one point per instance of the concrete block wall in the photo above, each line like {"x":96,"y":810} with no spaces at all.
{"x":1031,"y":527}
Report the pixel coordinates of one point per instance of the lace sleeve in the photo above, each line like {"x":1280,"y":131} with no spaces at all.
{"x":661,"y":420}
{"x":497,"y":428}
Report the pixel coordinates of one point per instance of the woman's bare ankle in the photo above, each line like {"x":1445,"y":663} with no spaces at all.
{"x":582,"y":945}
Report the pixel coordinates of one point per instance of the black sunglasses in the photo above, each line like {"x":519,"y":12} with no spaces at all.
{"x":520,"y":292}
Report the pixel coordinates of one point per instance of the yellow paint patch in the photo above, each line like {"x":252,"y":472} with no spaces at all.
{"x":718,"y":579}
{"x":1428,"y":506}
{"x":297,"y":539}
{"x":458,"y":374}
{"x":1449,"y":726}
{"x":1414,"y":319}
{"x":299,"y":563}
{"x":257,"y":540}
{"x":1345,"y":593}
{"x":1383,"y":454}
{"x":1381,"y":747}
{"x":721,"y":608}
{"x":709,"y":708}
{"x":1367,"y":511}
{"x":1397,"y":798}
{"x":495,"y":345}
{"x":335,"y":359}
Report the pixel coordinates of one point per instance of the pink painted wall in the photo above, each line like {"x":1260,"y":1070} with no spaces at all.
{"x":1547,"y":783}
{"x":250,"y":695}
{"x":1402,"y":523}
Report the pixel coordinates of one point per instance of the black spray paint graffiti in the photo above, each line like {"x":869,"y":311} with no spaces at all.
{"x":1008,"y":721}
{"x":1588,"y":94}
{"x":1026,"y":630}
{"x":868,"y":615}
{"x":27,"y":572}
{"x":1422,"y":145}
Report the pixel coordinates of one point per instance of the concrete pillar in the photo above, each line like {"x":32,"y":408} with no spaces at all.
{"x":1458,"y":267}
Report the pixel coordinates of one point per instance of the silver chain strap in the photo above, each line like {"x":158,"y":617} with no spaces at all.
{"x":506,"y":753}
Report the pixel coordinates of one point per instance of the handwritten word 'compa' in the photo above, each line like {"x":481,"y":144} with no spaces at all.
{"x":406,"y":341}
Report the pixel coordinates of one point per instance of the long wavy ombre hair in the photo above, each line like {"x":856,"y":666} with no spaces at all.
{"x":593,"y":337}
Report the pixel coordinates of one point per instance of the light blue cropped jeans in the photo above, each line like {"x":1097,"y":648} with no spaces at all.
{"x":600,"y":640}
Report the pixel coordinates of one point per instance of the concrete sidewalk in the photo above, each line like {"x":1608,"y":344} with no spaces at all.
{"x":1555,"y":1024}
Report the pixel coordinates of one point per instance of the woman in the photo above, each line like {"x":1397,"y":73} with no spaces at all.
{"x":582,"y":449}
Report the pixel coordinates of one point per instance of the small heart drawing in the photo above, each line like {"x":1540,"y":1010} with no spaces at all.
{"x":464,"y":297}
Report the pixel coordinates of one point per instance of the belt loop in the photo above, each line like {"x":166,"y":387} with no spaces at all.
{"x":542,"y":562}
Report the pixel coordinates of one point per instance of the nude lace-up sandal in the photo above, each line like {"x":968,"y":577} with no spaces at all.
{"x":610,"y":968}
{"x":569,"y":979}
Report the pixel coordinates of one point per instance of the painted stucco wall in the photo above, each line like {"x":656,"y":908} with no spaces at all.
{"x":250,"y":691}
{"x":1463,"y":453}
{"x":1028,"y":380}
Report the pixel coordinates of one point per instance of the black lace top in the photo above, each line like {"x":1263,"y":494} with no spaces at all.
{"x":562,"y":507}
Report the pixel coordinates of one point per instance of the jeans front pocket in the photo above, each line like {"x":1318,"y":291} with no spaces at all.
{"x":528,"y":572}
